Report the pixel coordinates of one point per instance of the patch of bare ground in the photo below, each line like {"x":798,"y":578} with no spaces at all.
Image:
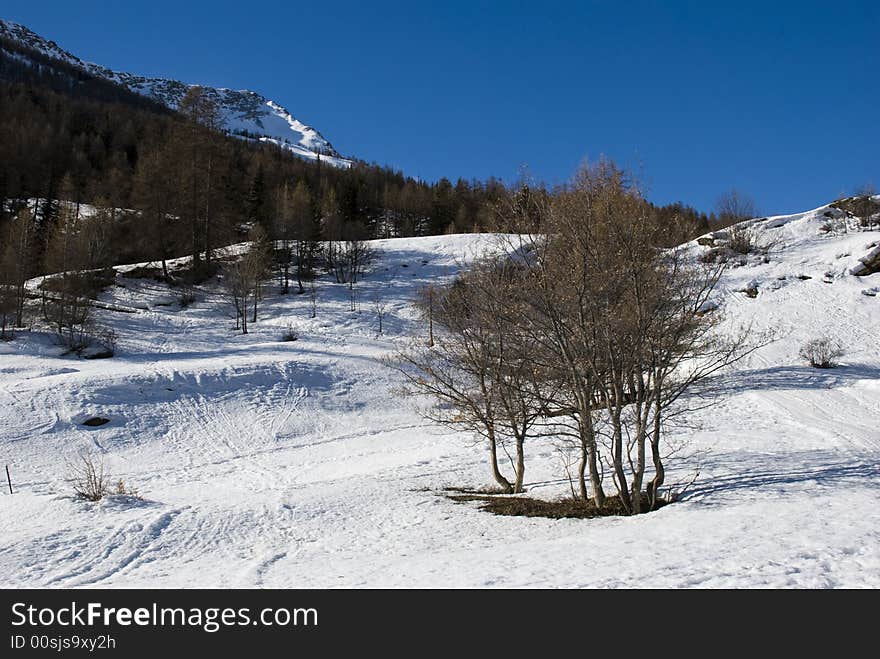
{"x":520,"y":506}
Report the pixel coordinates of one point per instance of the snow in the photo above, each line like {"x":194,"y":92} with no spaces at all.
{"x":293,"y":464}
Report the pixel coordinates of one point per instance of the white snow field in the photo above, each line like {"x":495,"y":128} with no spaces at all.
{"x":270,"y":464}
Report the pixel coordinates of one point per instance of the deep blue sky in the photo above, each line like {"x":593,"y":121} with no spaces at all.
{"x":778,"y":99}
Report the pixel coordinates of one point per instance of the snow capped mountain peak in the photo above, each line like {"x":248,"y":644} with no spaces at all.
{"x":23,"y":35}
{"x":245,"y":113}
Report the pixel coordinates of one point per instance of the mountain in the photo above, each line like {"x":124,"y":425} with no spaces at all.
{"x":246,"y":113}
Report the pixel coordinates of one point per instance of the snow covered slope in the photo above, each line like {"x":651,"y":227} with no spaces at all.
{"x":265,"y":463}
{"x":245,"y":112}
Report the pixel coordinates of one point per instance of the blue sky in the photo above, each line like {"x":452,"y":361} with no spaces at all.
{"x":778,"y":99}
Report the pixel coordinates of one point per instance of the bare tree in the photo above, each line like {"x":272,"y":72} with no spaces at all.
{"x":477,"y":367}
{"x":7,"y":295}
{"x":734,"y":206}
{"x":426,"y":299}
{"x":619,"y":318}
{"x":244,"y":278}
{"x":351,"y":255}
{"x":66,"y":303}
{"x":313,"y":297}
{"x":15,"y":248}
{"x":305,"y":232}
{"x":257,"y":263}
{"x":156,"y":196}
{"x":331,"y":227}
{"x":379,"y":306}
{"x":20,"y":248}
{"x":198,"y":173}
{"x":283,"y":234}
{"x":588,"y":329}
{"x":295,"y":231}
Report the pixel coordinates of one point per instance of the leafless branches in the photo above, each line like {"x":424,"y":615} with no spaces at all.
{"x":588,"y":330}
{"x":244,"y":279}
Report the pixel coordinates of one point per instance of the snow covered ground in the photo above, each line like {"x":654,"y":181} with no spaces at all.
{"x":292,"y":464}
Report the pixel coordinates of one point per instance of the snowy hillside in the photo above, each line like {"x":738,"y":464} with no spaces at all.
{"x":292,"y":464}
{"x":245,"y":112}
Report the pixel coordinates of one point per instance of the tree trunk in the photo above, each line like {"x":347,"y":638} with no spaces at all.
{"x":582,"y":470}
{"x":299,"y":270}
{"x":506,"y":487}
{"x":636,"y":493}
{"x":617,"y":459}
{"x":285,"y":286}
{"x":659,"y":470}
{"x":639,"y":471}
{"x":520,"y":466}
{"x":595,"y":480}
{"x":588,"y":441}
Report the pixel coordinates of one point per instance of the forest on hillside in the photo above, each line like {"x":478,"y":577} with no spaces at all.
{"x":67,"y":135}
{"x":178,"y":183}
{"x":93,"y":175}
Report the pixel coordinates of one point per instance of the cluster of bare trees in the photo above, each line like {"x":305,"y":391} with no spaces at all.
{"x":244,"y":278}
{"x":14,"y":243}
{"x":178,"y":187}
{"x":584,"y":330}
{"x":297,"y":253}
{"x":297,"y":232}
{"x":75,"y":249}
{"x":347,"y":251}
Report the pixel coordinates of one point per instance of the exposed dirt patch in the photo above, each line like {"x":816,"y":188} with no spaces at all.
{"x":99,"y":353}
{"x":520,"y":506}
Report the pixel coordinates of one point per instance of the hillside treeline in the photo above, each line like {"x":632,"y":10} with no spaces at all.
{"x":187,"y":186}
{"x":67,"y":135}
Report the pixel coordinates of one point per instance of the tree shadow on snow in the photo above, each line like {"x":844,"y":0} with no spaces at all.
{"x":816,"y":469}
{"x":779,"y":378}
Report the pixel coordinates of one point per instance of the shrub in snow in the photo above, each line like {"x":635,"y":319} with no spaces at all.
{"x":89,"y":479}
{"x":715,"y":255}
{"x":742,"y":240}
{"x":92,"y":482}
{"x":123,"y":490}
{"x":821,"y":353}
